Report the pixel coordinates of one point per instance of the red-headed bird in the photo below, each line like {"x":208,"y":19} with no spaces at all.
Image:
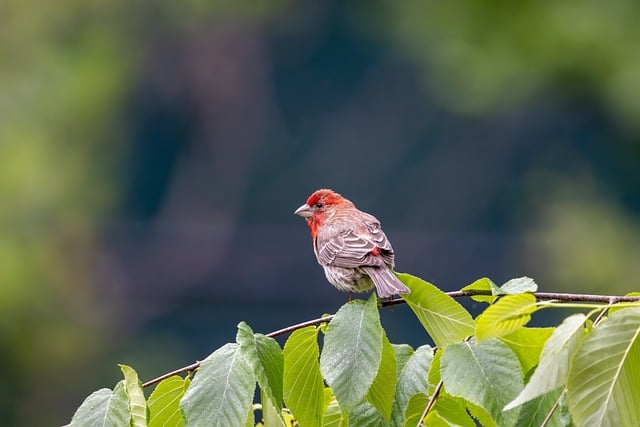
{"x":350,"y":245}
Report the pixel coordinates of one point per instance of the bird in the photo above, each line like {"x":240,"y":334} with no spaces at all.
{"x":350,"y":245}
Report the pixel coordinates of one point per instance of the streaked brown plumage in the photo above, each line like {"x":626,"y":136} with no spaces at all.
{"x":350,"y":245}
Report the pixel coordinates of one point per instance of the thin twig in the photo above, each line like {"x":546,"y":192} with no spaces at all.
{"x":565,"y":297}
{"x":455,"y":294}
{"x":605,"y":311}
{"x":182,"y":370}
{"x":553,"y":408}
{"x":432,"y":401}
{"x":283,"y":331}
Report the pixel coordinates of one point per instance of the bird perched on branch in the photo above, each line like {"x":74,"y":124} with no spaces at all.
{"x":350,"y":245}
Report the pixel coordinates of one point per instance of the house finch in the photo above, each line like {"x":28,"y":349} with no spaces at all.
{"x":350,"y":245}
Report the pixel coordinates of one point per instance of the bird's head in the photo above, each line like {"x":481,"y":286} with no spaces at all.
{"x":320,"y":205}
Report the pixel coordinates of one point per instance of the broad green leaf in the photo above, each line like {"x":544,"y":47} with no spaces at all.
{"x":104,"y":408}
{"x":446,"y":412}
{"x":365,"y":415}
{"x":383,"y":388}
{"x":164,"y":402}
{"x":333,"y":415}
{"x":434,"y":369}
{"x":563,"y":411}
{"x":485,"y":419}
{"x":553,"y":369}
{"x":303,"y":386}
{"x":415,"y":408}
{"x":289,"y":419}
{"x":432,"y":420}
{"x":449,"y":412}
{"x":352,"y":351}
{"x":484,"y":284}
{"x":534,"y":412}
{"x":486,"y":373}
{"x":519,"y":286}
{"x":221,"y":392}
{"x":265,"y":358}
{"x":412,"y":379}
{"x":403,"y":354}
{"x":604,"y":379}
{"x":250,"y":420}
{"x":527,"y":344}
{"x":137,"y":402}
{"x":271,"y":416}
{"x":505,"y":316}
{"x":445,"y":320}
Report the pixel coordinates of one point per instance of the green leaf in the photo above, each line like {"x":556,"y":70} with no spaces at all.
{"x":485,"y":419}
{"x":164,"y":402}
{"x":446,"y":412}
{"x":221,"y":392}
{"x":352,"y":351}
{"x":434,"y":369}
{"x":265,"y":358}
{"x":104,"y":408}
{"x":250,"y":421}
{"x":564,"y":413}
{"x":484,"y":284}
{"x":137,"y":402}
{"x":365,"y":415}
{"x":412,"y":379}
{"x":403,"y":354}
{"x":333,"y":415}
{"x":519,"y":286}
{"x":415,"y":408}
{"x":534,"y":412}
{"x":445,"y":320}
{"x":449,"y":412}
{"x":303,"y":386}
{"x":486,"y":373}
{"x":383,"y":388}
{"x":506,"y":316}
{"x":527,"y":344}
{"x":604,"y":379}
{"x":553,"y":369}
{"x":271,"y":416}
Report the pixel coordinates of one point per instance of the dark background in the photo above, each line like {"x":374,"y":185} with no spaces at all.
{"x":152,"y":154}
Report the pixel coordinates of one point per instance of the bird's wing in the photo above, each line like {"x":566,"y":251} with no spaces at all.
{"x":350,"y":248}
{"x":380,"y":240}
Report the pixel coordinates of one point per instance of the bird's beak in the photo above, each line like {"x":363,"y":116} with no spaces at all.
{"x":304,"y":211}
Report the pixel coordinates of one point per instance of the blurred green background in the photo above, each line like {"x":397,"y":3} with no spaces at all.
{"x":152,"y":154}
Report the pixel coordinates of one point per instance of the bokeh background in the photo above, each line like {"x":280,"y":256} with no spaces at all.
{"x":152,"y":154}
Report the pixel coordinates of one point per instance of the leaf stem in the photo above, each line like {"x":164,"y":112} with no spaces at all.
{"x":432,"y":401}
{"x":553,"y":409}
{"x":545,"y":304}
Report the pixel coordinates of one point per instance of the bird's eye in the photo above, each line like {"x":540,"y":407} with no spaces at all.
{"x":319,"y":205}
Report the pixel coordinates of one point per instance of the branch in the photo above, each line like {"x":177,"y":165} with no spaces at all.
{"x":432,"y":401}
{"x":283,"y":331}
{"x":611,"y":299}
{"x":565,"y":297}
{"x":288,"y":329}
{"x":553,"y":408}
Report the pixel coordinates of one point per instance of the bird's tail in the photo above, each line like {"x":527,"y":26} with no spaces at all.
{"x":387,"y":284}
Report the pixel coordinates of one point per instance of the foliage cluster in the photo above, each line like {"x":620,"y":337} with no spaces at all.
{"x":492,"y":370}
